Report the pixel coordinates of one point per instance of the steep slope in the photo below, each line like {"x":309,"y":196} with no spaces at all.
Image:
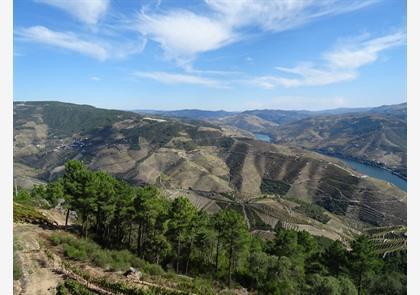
{"x":376,"y":137}
{"x":268,"y":183}
{"x":373,"y":135}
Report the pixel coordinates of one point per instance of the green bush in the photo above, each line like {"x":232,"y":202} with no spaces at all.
{"x":61,"y":290}
{"x":28,"y":214}
{"x":75,"y":253}
{"x":17,"y":269}
{"x":347,"y":286}
{"x":87,"y":250}
{"x":153,"y":269}
{"x":101,"y":258}
{"x":76,"y":288}
{"x":203,"y":286}
{"x":325,"y":285}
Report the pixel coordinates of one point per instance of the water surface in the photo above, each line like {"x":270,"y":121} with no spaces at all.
{"x":376,"y":172}
{"x":262,"y":137}
{"x":362,"y":168}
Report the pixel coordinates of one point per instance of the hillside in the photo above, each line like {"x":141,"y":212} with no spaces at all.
{"x":270,"y":184}
{"x":189,"y":113}
{"x":378,"y":136}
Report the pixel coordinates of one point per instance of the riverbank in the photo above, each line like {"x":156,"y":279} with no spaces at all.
{"x":363,"y":166}
{"x":376,"y":171}
{"x":362,"y":161}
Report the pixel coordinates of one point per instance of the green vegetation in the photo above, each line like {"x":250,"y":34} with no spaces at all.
{"x":86,"y":250}
{"x":27,"y":214}
{"x":313,"y":211}
{"x":136,"y":226}
{"x":278,"y":187}
{"x":17,"y":268}
{"x":66,"y":119}
{"x":44,"y":196}
{"x":156,"y":133}
{"x":185,"y":145}
{"x":71,"y":286}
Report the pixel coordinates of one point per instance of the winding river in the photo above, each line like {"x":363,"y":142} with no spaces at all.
{"x":365,"y":169}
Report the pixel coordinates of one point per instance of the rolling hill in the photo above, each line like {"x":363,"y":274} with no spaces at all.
{"x":376,"y":136}
{"x":214,"y":166}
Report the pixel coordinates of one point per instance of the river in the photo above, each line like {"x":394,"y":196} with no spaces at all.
{"x":262,"y":137}
{"x":369,"y":170}
{"x":376,"y":172}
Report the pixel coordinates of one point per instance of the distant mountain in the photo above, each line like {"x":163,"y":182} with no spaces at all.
{"x":189,"y":113}
{"x":340,"y":111}
{"x":279,"y":116}
{"x":376,"y":135}
{"x":265,"y":182}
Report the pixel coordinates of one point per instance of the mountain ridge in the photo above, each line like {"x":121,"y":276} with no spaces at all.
{"x":213,"y":166}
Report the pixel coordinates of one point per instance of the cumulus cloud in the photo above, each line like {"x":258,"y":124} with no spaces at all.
{"x":65,"y":40}
{"x":339,"y":64}
{"x":173,"y":78}
{"x":182,"y":34}
{"x":89,"y":12}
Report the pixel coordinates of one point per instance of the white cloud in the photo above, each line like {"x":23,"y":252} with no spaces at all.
{"x":89,"y":12}
{"x":183,"y":34}
{"x":100,"y":50}
{"x":94,"y":78}
{"x":348,"y":55}
{"x":280,"y":15}
{"x":171,"y":78}
{"x":65,"y":40}
{"x":339,"y":64}
{"x":311,"y":76}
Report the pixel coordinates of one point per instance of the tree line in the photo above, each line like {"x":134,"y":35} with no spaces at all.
{"x":177,"y":236}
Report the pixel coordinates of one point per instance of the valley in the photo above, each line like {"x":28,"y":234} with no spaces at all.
{"x":374,"y":136}
{"x":214,"y":166}
{"x":366,"y":169}
{"x":220,"y":173}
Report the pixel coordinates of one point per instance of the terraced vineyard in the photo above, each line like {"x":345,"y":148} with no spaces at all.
{"x":388,"y":240}
{"x":265,"y":182}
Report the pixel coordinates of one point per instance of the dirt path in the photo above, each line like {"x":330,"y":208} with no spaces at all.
{"x":37,"y":275}
{"x":43,"y":270}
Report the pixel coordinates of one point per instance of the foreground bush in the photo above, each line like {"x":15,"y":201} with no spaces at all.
{"x":88,"y":251}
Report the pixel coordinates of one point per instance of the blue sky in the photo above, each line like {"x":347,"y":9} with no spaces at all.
{"x":214,"y":54}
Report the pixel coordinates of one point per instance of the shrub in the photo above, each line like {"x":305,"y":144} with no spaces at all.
{"x":153,"y":269}
{"x":76,"y":288}
{"x":347,"y":286}
{"x":61,"y":290}
{"x":28,"y":214}
{"x":17,"y":269}
{"x":75,"y":253}
{"x":325,"y":285}
{"x":203,"y":286}
{"x":101,"y":258}
{"x":86,"y":250}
